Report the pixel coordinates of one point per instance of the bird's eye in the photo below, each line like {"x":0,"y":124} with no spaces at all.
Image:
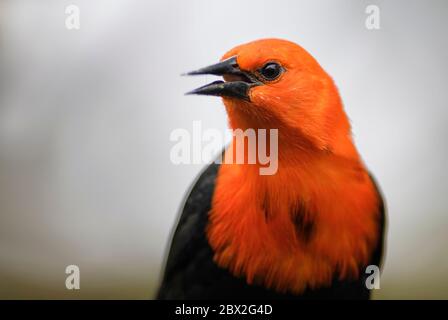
{"x":271,"y":71}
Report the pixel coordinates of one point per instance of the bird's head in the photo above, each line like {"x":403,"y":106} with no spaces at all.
{"x":273,"y":83}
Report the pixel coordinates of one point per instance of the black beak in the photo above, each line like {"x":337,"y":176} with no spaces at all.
{"x":237,"y":88}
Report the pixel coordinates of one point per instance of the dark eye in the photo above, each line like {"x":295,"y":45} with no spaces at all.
{"x":271,"y":70}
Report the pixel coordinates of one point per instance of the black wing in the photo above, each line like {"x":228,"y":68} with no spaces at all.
{"x":190,"y":272}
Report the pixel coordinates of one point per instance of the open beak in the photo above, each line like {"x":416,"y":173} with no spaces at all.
{"x":237,"y":85}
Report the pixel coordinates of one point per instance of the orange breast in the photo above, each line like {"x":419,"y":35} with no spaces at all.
{"x":298,"y":228}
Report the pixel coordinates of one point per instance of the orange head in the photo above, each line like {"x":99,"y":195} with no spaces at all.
{"x":272,"y":83}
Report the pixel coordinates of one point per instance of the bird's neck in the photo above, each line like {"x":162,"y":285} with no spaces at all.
{"x":294,"y":144}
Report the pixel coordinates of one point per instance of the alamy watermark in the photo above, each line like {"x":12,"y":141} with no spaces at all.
{"x":373,"y":17}
{"x":72,"y":282}
{"x":202,"y":146}
{"x":373,"y":280}
{"x":72,"y":20}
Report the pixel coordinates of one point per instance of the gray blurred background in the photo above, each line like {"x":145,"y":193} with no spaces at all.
{"x":86,"y":115}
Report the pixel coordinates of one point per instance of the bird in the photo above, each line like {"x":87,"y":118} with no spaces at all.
{"x":308,"y":231}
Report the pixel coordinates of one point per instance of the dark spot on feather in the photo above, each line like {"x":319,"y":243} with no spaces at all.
{"x":265,"y":207}
{"x":303,"y":222}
